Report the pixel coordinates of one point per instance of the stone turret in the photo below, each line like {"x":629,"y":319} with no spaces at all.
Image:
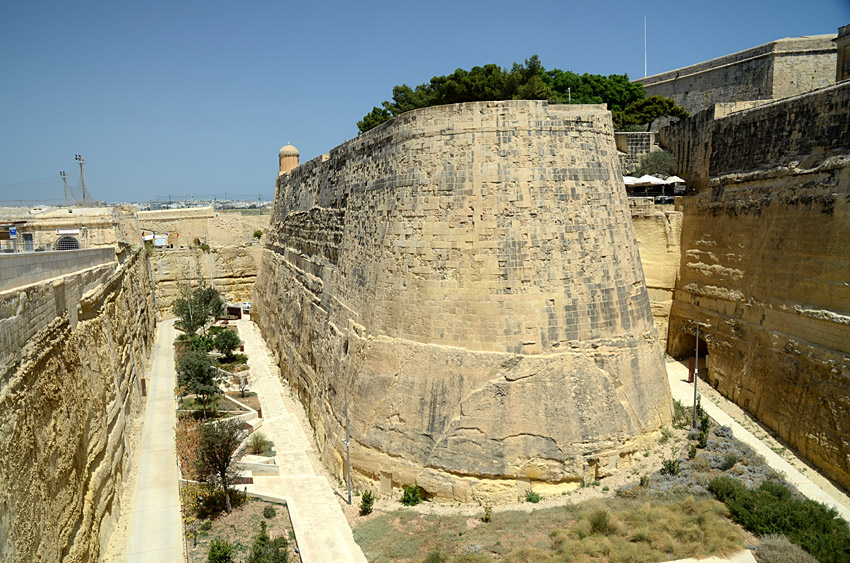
{"x":288,"y":157}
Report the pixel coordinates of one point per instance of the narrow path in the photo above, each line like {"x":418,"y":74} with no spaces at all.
{"x":156,"y":532}
{"x":321,"y":530}
{"x":684,"y":393}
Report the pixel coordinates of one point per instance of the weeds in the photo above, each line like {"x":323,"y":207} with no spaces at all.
{"x":533,"y":497}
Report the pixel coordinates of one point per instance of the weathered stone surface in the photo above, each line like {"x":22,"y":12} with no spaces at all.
{"x":775,"y":70}
{"x":765,"y":266}
{"x":230,"y":269}
{"x":469,"y":275}
{"x":72,"y":356}
{"x":658,"y":229}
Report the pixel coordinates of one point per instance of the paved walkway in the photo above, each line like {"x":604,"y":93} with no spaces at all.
{"x":156,"y":531}
{"x":684,"y":393}
{"x":321,"y":530}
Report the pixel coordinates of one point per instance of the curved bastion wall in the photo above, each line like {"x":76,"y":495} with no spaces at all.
{"x":469,"y":276}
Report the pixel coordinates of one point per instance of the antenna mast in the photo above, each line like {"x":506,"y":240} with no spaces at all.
{"x":644,"y":46}
{"x":65,"y":181}
{"x":82,"y":161}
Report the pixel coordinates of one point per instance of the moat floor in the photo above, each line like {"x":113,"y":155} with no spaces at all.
{"x":156,"y":531}
{"x":684,"y":393}
{"x":321,"y":530}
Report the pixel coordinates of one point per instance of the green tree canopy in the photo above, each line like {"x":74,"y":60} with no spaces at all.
{"x":226,"y":342}
{"x":528,"y":81}
{"x":218,"y":443}
{"x":196,"y":375}
{"x":196,"y":306}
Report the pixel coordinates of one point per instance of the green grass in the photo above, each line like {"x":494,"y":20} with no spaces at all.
{"x":618,"y":530}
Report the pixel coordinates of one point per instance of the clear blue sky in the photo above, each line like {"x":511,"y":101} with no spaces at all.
{"x":178,"y":97}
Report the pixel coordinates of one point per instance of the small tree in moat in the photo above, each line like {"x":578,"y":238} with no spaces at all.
{"x":218,"y":443}
{"x":197,"y":306}
{"x":226,"y":342}
{"x":196,"y":375}
{"x":657,"y":163}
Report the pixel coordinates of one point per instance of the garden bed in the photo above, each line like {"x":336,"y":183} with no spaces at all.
{"x":239,"y":528}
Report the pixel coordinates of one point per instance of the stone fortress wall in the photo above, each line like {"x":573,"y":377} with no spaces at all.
{"x":72,"y":352}
{"x":778,"y":69}
{"x":658,"y":229}
{"x":469,"y":276}
{"x":766,"y":263}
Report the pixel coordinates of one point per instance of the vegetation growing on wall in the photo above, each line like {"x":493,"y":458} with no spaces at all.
{"x":528,"y":81}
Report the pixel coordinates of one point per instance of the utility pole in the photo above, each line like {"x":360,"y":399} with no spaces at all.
{"x":65,"y":181}
{"x":82,"y":161}
{"x":347,"y":450}
{"x":696,"y":376}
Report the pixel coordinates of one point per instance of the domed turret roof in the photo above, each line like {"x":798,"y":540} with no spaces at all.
{"x":289,"y":150}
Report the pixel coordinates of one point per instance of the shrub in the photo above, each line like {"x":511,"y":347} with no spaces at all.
{"x":777,"y":549}
{"x":531,"y":496}
{"x":436,"y":556}
{"x":258,"y":444}
{"x":258,"y":234}
{"x":692,"y":451}
{"x":600,"y":522}
{"x":411,"y":497}
{"x":267,"y":550}
{"x":269,"y":512}
{"x":772,"y":509}
{"x":366,"y":503}
{"x":670,"y":467}
{"x":729,"y":461}
{"x":488,"y":514}
{"x":666,"y":434}
{"x":206,"y":526}
{"x":221,"y":551}
{"x":702,"y":439}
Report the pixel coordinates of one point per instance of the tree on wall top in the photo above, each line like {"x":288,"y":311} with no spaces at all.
{"x":528,"y":81}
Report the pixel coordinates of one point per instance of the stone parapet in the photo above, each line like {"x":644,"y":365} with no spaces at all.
{"x":30,"y":267}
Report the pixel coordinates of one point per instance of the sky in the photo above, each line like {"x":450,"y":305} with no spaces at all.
{"x":182,"y":97}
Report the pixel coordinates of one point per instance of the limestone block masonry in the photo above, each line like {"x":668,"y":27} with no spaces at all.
{"x":775,"y":70}
{"x":766,"y":264}
{"x":469,"y":275}
{"x":72,"y":353}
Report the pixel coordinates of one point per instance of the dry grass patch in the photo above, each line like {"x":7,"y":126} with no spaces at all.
{"x":616,"y":530}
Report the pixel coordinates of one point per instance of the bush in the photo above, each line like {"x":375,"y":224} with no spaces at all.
{"x":221,"y":551}
{"x":267,"y":550}
{"x":366,"y":503}
{"x":670,"y":467}
{"x":411,"y":497}
{"x":533,"y":497}
{"x":258,"y":444}
{"x":777,"y":549}
{"x":729,"y":461}
{"x":657,"y":162}
{"x":600,"y":522}
{"x":488,"y":514}
{"x":772,"y":509}
{"x":206,"y":526}
{"x":692,"y":451}
{"x":258,"y":234}
{"x":269,"y":512}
